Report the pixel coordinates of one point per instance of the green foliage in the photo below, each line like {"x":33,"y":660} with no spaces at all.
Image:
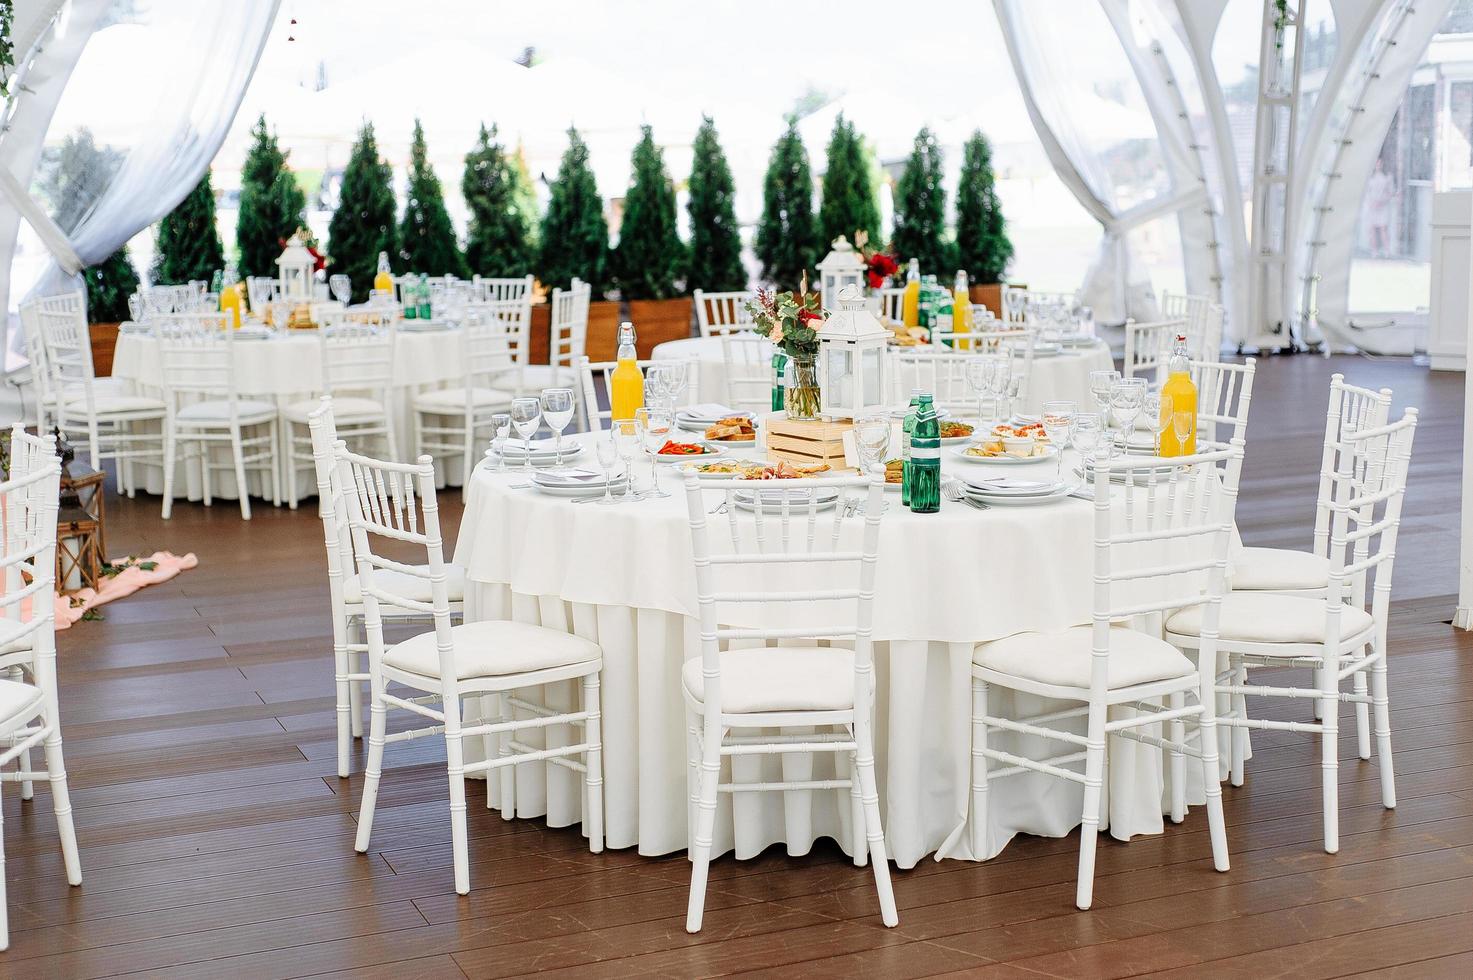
{"x":650,"y":257}
{"x":188,"y":243}
{"x":920,"y":210}
{"x":787,"y":235}
{"x":715,"y":242}
{"x":426,"y":237}
{"x":982,"y":243}
{"x":500,"y":237}
{"x":271,"y":204}
{"x":73,"y":175}
{"x":575,"y":236}
{"x":363,"y":224}
{"x":109,"y":284}
{"x":849,"y":200}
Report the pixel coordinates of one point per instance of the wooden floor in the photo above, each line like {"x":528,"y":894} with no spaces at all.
{"x":217,"y":840}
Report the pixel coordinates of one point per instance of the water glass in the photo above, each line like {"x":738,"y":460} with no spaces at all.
{"x":872,"y":440}
{"x":1158,"y":411}
{"x":1085,"y":436}
{"x":557,"y":410}
{"x":342,"y":288}
{"x":999,"y":380}
{"x":1182,"y":424}
{"x":500,"y":429}
{"x":608,"y":455}
{"x":526,"y":415}
{"x":625,"y":436}
{"x":979,"y":379}
{"x":1127,"y":399}
{"x":1100,"y":384}
{"x":1058,"y":422}
{"x":679,"y":380}
{"x":654,"y":428}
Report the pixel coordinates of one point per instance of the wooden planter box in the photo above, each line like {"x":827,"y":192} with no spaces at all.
{"x":603,"y":330}
{"x":104,"y":343}
{"x":658,"y":320}
{"x":989,"y":296}
{"x":807,"y":442}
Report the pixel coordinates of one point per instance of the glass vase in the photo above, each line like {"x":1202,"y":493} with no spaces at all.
{"x":800,"y":399}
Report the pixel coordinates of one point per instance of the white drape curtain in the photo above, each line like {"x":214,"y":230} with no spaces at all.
{"x":158,"y":85}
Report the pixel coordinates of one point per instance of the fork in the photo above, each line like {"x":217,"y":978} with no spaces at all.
{"x":951,"y":489}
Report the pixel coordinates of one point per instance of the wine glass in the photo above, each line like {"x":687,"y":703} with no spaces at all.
{"x":872,"y":440}
{"x":999,"y":378}
{"x":1127,"y":398}
{"x":979,"y":379}
{"x":1058,"y":421}
{"x":557,"y":410}
{"x":342,"y":288}
{"x":679,"y":380}
{"x":526,"y":415}
{"x":657,"y":384}
{"x":625,"y":435}
{"x":1100,"y":383}
{"x":1085,"y":435}
{"x":1182,"y":424}
{"x":608,"y":455}
{"x":654,"y":430}
{"x":500,"y":429}
{"x":1158,"y":412}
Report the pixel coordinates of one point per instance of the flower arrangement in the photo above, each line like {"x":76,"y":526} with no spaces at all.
{"x":879,"y":265}
{"x":790,"y":320}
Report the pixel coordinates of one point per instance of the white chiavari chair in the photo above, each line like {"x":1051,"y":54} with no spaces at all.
{"x":593,"y":375}
{"x":29,"y":714}
{"x":1149,"y":561}
{"x":892,"y":300}
{"x":943,"y":373}
{"x":1334,"y":635}
{"x":448,"y":420}
{"x":204,"y":409}
{"x":357,"y":352}
{"x":747,"y":359}
{"x":516,"y":314}
{"x":485,"y":289}
{"x":1148,"y":345}
{"x":718,"y":314}
{"x":768,"y":687}
{"x":106,"y":414}
{"x":350,"y":674}
{"x":1224,"y":395}
{"x":569,"y":330}
{"x":1198,"y":312}
{"x":40,"y":378}
{"x":395,"y":502}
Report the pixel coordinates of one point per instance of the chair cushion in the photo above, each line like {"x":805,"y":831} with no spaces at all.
{"x":409,"y":586}
{"x":1062,"y":658}
{"x":100,"y":387}
{"x":779,"y":679}
{"x":493,"y":649}
{"x":1278,"y":570}
{"x":111,"y":404}
{"x":219,"y":411}
{"x":453,"y":399}
{"x":17,"y":700}
{"x":344,"y":410}
{"x":1266,"y":617}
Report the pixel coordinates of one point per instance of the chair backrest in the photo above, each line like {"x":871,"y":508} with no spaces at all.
{"x":197,"y":358}
{"x":333,"y":511}
{"x":68,"y":352}
{"x":1154,"y":540}
{"x":36,"y":353}
{"x":892,"y":302}
{"x":1224,"y":394}
{"x":770,"y":559}
{"x":1148,"y":345}
{"x":487,"y":354}
{"x":747,"y":359}
{"x":943,"y":373}
{"x":357,"y":357}
{"x":28,"y":503}
{"x":722,"y":313}
{"x":517,"y":315}
{"x":569,"y":327}
{"x":1351,"y":409}
{"x":491,"y":290}
{"x":1364,"y":522}
{"x":594,"y":417}
{"x":393,"y":505}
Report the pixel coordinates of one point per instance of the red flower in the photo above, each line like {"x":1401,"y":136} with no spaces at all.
{"x":808,"y":316}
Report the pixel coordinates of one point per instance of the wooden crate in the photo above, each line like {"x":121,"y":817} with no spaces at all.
{"x":807,"y":442}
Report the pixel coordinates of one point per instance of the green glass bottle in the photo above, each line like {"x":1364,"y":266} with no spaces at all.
{"x":409,"y":298}
{"x":944,"y":318}
{"x":925,"y":460}
{"x":779,"y":381}
{"x":906,"y":427}
{"x":425,"y":313}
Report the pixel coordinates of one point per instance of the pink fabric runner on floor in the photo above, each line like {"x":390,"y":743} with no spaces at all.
{"x":125,"y":583}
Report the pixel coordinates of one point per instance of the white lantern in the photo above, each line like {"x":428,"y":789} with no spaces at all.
{"x":851,"y":359}
{"x":297,"y":266}
{"x":841,"y":267}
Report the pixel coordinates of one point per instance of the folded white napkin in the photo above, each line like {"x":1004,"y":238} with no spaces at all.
{"x":1009,"y":483}
{"x":546,"y":445}
{"x":568,"y":477}
{"x":707,"y":411}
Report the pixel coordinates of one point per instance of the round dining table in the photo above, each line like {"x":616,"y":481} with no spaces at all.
{"x":622,"y":576}
{"x":1056,"y":375}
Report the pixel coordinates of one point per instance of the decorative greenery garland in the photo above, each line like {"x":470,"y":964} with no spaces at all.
{"x":7,"y":46}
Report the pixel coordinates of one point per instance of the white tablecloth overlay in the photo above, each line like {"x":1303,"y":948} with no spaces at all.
{"x":1061,"y":376}
{"x":622,"y":576}
{"x":287,"y":368}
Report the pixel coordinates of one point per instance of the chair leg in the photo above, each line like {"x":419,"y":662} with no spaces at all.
{"x":1089,"y":829}
{"x":237,"y":452}
{"x":171,"y":449}
{"x":459,"y":838}
{"x":692,"y":772}
{"x":355,"y":687}
{"x":374,"y":768}
{"x":700,"y":845}
{"x":979,"y":816}
{"x":593,"y":777}
{"x":1330,"y":752}
{"x":27,"y":789}
{"x":61,"y":805}
{"x":509,"y":771}
{"x":874,"y":830}
{"x":490,"y":714}
{"x":204,"y":473}
{"x":1381,"y":713}
{"x":342,"y":663}
{"x":288,"y":459}
{"x":1362,"y":718}
{"x":1238,"y":735}
{"x":1178,"y":734}
{"x":859,"y":843}
{"x":272,"y":442}
{"x":1212,"y":777}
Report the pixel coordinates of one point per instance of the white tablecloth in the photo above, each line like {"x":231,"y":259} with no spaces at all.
{"x":287,"y":368}
{"x":1062,"y":376}
{"x":622,"y":577}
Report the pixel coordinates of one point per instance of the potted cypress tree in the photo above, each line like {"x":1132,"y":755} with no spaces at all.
{"x":715,"y":243}
{"x":426,"y":237}
{"x":850,"y":204}
{"x":109,"y":284}
{"x":575,"y":243}
{"x":189,"y":245}
{"x":363,"y":225}
{"x":649,"y":263}
{"x":787,"y":234}
{"x":982,"y":244}
{"x":920,"y":211}
{"x":271,"y":204}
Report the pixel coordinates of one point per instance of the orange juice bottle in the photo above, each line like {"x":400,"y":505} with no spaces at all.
{"x":961,"y":312}
{"x":230,"y":303}
{"x":626,"y":384}
{"x":910,"y":300}
{"x":1182,"y":391}
{"x":385,"y":279}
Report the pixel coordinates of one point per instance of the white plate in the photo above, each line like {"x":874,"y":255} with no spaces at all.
{"x":796,"y":504}
{"x":711,"y":453}
{"x":421,"y":326}
{"x":253,"y":333}
{"x":570,"y":452}
{"x":1021,"y":420}
{"x":1028,"y":501}
{"x":1049,"y":452}
{"x":616,"y":488}
{"x":1008,"y":486}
